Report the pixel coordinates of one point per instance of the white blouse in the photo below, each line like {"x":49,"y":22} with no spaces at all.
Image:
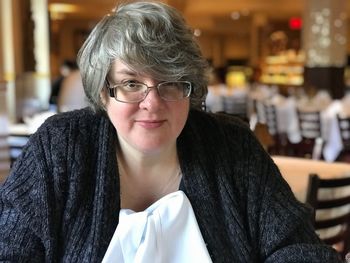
{"x":167,"y":231}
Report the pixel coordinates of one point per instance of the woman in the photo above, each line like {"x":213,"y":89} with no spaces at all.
{"x":144,"y":175}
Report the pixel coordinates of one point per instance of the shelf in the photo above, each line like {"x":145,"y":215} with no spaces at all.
{"x":284,"y":69}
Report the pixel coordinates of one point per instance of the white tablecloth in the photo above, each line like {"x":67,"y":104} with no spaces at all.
{"x":286,"y":110}
{"x":331,"y":132}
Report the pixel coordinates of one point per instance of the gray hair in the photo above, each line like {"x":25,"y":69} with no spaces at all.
{"x":151,"y":38}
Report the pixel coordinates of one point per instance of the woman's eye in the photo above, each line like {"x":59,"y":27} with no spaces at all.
{"x":132,"y":85}
{"x":129,"y":82}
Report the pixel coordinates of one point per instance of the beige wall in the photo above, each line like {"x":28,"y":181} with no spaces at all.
{"x":216,"y":46}
{"x":66,"y":39}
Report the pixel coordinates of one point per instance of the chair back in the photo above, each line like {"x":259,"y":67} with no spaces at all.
{"x":4,"y":158}
{"x":344,"y":128}
{"x":309,"y":124}
{"x":16,"y":144}
{"x":236,"y":104}
{"x":4,"y":132}
{"x":344,"y":131}
{"x":336,"y":216}
{"x":311,"y":144}
{"x":271,"y":118}
{"x":281,"y":145}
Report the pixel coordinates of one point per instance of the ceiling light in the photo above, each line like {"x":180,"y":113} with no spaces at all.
{"x":235,"y":15}
{"x":62,"y":8}
{"x":197,"y":32}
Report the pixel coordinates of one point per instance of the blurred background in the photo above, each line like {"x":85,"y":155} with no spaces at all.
{"x":289,"y":54}
{"x":243,"y":37}
{"x":252,"y":40}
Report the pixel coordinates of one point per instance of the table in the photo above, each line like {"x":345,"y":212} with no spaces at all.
{"x":296,"y":172}
{"x":19,"y":133}
{"x":286,"y":111}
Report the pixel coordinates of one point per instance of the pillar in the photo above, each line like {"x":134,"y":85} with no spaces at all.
{"x":7,"y":56}
{"x":324,"y":42}
{"x":42,"y":80}
{"x":259,"y":21}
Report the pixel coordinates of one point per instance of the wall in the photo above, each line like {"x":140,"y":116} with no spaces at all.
{"x":232,"y":42}
{"x":66,"y":39}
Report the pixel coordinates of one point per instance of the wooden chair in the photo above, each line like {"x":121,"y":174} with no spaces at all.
{"x":261,"y":132}
{"x":4,"y":158}
{"x":281,"y":142}
{"x":344,"y":129}
{"x":311,"y":137}
{"x":257,"y":109}
{"x":16,"y":144}
{"x":337,"y":223}
{"x":4,"y":147}
{"x":236,"y":105}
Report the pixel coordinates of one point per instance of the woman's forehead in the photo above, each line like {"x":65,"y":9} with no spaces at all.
{"x":120,"y":68}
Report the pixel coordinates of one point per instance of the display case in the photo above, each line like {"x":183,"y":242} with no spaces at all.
{"x":286,"y":68}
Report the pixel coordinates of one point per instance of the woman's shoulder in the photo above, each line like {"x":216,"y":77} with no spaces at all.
{"x":84,"y":115}
{"x":81,"y":119}
{"x":78,"y":126}
{"x":218,"y":120}
{"x":221,"y":132}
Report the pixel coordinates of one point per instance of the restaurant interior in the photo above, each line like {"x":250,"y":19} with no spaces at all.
{"x":282,"y":67}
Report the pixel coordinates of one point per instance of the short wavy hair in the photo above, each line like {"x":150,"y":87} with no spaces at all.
{"x":151,"y":38}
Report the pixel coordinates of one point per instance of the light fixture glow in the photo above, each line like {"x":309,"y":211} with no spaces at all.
{"x":62,"y":8}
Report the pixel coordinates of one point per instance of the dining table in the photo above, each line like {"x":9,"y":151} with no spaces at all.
{"x":296,"y":172}
{"x":287,"y":117}
{"x":19,"y":133}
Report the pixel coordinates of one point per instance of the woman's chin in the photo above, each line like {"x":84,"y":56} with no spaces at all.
{"x":152,"y":148}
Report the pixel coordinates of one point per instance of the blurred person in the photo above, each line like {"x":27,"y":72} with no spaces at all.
{"x":66,"y":67}
{"x":144,"y":174}
{"x":214,"y":101}
{"x":71,"y":95}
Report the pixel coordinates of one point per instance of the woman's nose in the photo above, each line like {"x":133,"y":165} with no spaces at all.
{"x":152,"y":101}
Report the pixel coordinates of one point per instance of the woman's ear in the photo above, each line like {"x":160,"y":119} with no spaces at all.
{"x":104,"y":97}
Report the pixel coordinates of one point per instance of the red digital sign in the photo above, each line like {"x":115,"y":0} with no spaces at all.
{"x":295,"y":23}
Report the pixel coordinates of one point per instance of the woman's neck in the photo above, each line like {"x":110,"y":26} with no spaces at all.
{"x":134,"y":162}
{"x":145,"y":178}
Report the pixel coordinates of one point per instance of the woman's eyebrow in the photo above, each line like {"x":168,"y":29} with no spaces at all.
{"x":126,"y":72}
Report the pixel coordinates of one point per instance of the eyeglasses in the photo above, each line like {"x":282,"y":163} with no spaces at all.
{"x":133,"y":92}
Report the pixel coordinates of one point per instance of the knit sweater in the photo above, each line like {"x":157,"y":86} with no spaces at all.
{"x":61,"y":201}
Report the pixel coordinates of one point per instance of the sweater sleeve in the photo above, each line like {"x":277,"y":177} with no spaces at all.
{"x":246,"y":210}
{"x":25,"y":232}
{"x":285,"y":230}
{"x":19,"y":222}
{"x":53,"y":204}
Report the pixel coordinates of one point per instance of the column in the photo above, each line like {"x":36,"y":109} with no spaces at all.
{"x":41,"y":51}
{"x":324,"y":42}
{"x":7,"y":56}
{"x":259,"y":21}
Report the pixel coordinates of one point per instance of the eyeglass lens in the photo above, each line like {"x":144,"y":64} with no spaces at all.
{"x":136,"y":92}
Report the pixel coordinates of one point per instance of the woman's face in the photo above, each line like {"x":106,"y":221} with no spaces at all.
{"x":147,"y":126}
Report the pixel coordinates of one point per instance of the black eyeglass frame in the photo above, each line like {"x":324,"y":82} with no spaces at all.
{"x":111,"y":89}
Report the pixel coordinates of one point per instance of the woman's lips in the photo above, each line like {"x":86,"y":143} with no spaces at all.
{"x":150,"y":124}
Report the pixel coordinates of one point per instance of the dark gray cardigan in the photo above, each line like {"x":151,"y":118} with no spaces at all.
{"x":61,"y":201}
